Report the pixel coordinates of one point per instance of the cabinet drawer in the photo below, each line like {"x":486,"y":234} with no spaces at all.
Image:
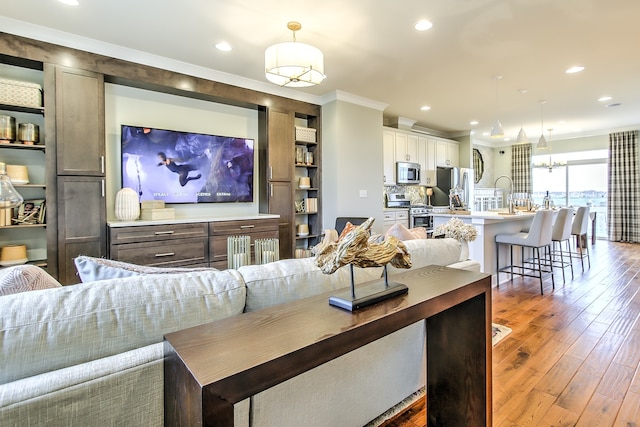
{"x":402,"y":216}
{"x":154,"y":233}
{"x":389,"y":216}
{"x":230,"y":228}
{"x":218,"y":244}
{"x":169,"y":253}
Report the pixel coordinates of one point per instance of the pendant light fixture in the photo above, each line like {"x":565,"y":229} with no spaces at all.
{"x":496,"y":130}
{"x":542,"y":143}
{"x":294,"y":64}
{"x":522,"y":136}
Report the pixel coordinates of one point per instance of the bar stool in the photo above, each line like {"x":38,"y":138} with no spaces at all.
{"x":562,"y":233}
{"x":538,"y":236}
{"x":579,"y":230}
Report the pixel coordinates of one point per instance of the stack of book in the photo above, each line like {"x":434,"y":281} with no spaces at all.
{"x":154,"y":210}
{"x":311,"y":204}
{"x":303,"y":253}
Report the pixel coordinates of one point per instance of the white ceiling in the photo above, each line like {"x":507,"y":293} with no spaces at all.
{"x":372,"y":50}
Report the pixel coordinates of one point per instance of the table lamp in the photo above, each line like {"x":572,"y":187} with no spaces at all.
{"x":429,"y":194}
{"x":9,"y":197}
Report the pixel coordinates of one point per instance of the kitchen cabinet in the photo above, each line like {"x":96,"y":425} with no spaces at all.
{"x":389,"y":157}
{"x":427,"y":160}
{"x":406,"y":147}
{"x":392,"y":217}
{"x":447,"y":153}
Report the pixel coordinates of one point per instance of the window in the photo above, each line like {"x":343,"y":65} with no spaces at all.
{"x":575,"y":179}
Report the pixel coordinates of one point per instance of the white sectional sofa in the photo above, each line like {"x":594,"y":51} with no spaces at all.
{"x":91,"y":354}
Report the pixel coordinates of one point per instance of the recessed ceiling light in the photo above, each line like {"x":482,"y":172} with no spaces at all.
{"x":423,"y":25}
{"x":473,"y":122}
{"x":223,"y":46}
{"x":575,"y":69}
{"x":604,"y":98}
{"x":615,"y":104}
{"x":486,"y":133}
{"x":425,"y":108}
{"x":70,"y":2}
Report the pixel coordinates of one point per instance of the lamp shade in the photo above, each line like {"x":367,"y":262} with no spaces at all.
{"x":496,"y":130}
{"x":294,"y":64}
{"x":542,"y":143}
{"x":522,"y":137}
{"x":9,"y":197}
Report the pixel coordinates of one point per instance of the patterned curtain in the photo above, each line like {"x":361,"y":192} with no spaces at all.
{"x":521,"y":168}
{"x":624,"y":199}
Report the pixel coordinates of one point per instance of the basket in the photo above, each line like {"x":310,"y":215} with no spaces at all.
{"x":305,"y":134}
{"x":22,"y":94}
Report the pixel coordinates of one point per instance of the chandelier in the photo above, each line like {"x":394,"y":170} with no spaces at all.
{"x":294,"y":64}
{"x":550,"y":164}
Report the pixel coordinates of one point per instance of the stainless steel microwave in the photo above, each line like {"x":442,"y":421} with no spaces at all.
{"x":407,"y":173}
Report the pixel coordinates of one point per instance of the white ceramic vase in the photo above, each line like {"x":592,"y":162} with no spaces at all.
{"x":464,"y":251}
{"x":127,"y":205}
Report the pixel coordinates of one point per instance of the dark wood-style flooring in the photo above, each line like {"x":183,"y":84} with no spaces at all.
{"x":573,"y":358}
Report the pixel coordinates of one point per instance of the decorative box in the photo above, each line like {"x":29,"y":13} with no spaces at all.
{"x":23,"y":94}
{"x":155,"y":214}
{"x":152,"y":204}
{"x":305,"y":134}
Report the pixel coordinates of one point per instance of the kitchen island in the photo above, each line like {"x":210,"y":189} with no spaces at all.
{"x":489,"y":224}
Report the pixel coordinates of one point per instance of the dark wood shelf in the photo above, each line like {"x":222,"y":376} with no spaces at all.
{"x":308,"y":144}
{"x":29,"y":185}
{"x":6,"y":227}
{"x":22,"y":109}
{"x":23,"y":146}
{"x":304,"y":165}
{"x":310,"y":236}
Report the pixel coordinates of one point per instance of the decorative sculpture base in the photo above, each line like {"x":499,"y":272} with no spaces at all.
{"x":367,"y":295}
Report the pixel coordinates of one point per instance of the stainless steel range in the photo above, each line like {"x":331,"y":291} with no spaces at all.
{"x":421,"y":216}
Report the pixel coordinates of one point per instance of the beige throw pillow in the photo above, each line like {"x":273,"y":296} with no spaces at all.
{"x":22,"y":278}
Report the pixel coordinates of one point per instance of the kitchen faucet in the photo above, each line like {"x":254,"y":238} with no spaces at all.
{"x":509,"y":196}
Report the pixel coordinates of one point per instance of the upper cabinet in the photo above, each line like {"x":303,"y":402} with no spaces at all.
{"x":447,"y":153}
{"x":80,"y":122}
{"x":406,"y":148}
{"x":389,"y":157}
{"x":427,"y":156}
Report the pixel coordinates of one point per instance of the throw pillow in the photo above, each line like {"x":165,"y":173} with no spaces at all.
{"x":419,"y":232}
{"x":347,"y":228}
{"x":22,"y":278}
{"x":400,"y":232}
{"x":91,"y":269}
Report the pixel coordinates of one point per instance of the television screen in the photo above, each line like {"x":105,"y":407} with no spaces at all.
{"x":186,"y":167}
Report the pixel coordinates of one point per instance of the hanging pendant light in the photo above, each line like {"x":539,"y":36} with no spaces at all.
{"x":542,"y":143}
{"x":294,"y":64}
{"x":522,"y":136}
{"x":496,"y":130}
{"x":9,"y":197}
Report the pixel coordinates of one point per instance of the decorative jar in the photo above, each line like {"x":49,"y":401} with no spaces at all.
{"x":127,"y":205}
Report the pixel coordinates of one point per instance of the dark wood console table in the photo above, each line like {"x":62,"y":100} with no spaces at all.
{"x":211,"y":367}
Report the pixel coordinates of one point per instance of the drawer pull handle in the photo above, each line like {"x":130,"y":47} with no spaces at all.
{"x":247,"y":226}
{"x":165,"y":254}
{"x":158,"y":233}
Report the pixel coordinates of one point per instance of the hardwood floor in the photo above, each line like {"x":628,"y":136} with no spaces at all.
{"x":573,"y":358}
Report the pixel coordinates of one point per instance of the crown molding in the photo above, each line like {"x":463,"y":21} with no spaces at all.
{"x":339,"y":95}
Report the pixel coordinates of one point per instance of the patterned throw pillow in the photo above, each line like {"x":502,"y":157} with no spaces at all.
{"x":91,"y":269}
{"x":22,"y":278}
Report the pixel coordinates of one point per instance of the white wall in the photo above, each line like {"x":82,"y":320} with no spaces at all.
{"x":351,"y":163}
{"x":138,"y":107}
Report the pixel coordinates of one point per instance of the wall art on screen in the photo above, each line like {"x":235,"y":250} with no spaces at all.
{"x":187,"y":167}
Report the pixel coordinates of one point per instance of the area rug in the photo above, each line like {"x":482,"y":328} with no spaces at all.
{"x":498,"y":333}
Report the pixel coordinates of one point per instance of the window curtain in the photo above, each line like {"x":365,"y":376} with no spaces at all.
{"x":624,"y":201}
{"x":521,"y":168}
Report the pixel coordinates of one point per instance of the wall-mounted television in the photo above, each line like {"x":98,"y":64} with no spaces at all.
{"x":186,"y":167}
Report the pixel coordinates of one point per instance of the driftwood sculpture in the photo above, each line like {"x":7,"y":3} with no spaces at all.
{"x":358,"y":249}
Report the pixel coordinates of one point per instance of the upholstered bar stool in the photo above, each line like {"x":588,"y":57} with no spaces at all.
{"x":562,"y":233}
{"x":579,"y":230}
{"x":538,"y":236}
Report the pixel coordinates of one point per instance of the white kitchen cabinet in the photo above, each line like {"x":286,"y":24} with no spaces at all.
{"x":389,"y":157}
{"x":393,"y":217}
{"x":427,"y":160}
{"x":406,"y":147}
{"x":447,"y":153}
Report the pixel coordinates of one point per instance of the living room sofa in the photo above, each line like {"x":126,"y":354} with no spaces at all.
{"x":92,"y":353}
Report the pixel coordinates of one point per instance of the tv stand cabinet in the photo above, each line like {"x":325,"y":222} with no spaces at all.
{"x":198,"y":242}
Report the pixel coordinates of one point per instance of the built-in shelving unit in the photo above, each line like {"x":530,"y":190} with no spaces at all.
{"x":34,"y":236}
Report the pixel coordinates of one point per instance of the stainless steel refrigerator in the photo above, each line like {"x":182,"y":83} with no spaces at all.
{"x":448,"y":178}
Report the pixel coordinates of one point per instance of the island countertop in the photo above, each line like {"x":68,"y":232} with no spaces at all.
{"x":486,"y":217}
